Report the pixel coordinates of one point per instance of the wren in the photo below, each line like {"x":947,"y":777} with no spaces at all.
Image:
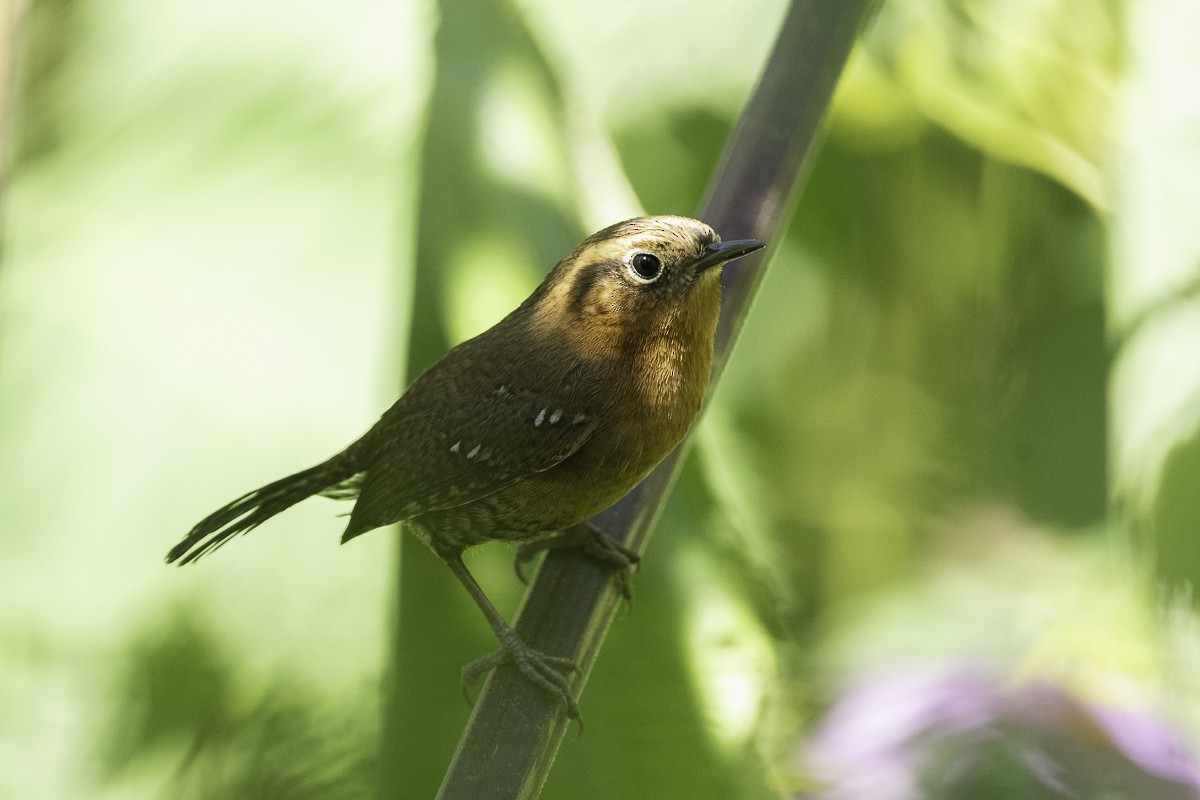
{"x":536,"y":424}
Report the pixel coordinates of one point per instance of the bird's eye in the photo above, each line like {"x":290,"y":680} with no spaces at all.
{"x":646,"y":267}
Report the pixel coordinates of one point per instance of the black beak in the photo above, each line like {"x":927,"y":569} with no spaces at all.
{"x":718,"y":253}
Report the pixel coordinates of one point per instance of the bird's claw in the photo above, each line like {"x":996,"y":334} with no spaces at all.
{"x":621,"y":559}
{"x":546,"y":671}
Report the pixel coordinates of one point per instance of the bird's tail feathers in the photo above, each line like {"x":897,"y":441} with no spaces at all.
{"x":254,"y":508}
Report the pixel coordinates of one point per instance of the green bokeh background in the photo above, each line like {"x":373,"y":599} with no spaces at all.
{"x":962,"y":422}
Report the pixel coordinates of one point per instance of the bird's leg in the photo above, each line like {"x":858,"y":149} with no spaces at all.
{"x":548,"y":672}
{"x":595,"y":543}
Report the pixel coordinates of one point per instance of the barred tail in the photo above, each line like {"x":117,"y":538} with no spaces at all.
{"x":254,"y":508}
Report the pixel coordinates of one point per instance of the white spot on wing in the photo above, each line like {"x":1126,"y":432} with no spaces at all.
{"x":454,"y":447}
{"x":578,"y":419}
{"x":556,"y":416}
{"x":474,"y":451}
{"x":537,"y":423}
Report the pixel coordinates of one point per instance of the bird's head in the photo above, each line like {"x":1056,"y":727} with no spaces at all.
{"x":641,"y":274}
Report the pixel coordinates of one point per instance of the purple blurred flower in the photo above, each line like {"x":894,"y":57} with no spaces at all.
{"x":952,"y":733}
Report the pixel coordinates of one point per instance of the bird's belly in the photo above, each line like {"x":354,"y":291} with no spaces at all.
{"x":589,"y":481}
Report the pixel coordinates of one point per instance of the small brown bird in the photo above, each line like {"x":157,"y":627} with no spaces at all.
{"x":536,"y":424}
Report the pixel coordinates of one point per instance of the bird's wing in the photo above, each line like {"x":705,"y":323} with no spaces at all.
{"x":454,"y":457}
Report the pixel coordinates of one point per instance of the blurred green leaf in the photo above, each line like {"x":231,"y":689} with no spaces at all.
{"x":1154,"y":308}
{"x":177,"y":701}
{"x":1031,"y":82}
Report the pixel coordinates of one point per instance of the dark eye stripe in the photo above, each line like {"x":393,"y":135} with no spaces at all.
{"x":581,"y":288}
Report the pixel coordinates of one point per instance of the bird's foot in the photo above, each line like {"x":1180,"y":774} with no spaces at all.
{"x":596,"y":544}
{"x":549,"y":672}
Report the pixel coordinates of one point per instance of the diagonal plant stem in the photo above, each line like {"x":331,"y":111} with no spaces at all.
{"x":516,"y":727}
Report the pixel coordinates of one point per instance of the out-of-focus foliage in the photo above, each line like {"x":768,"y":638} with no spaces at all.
{"x":177,"y":695}
{"x":952,"y":733}
{"x":1155,"y":297}
{"x":1029,"y":82}
{"x":223,"y":218}
{"x":198,"y":296}
{"x":1021,"y":666}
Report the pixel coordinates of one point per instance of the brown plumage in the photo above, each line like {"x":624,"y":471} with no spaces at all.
{"x":536,"y":424}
